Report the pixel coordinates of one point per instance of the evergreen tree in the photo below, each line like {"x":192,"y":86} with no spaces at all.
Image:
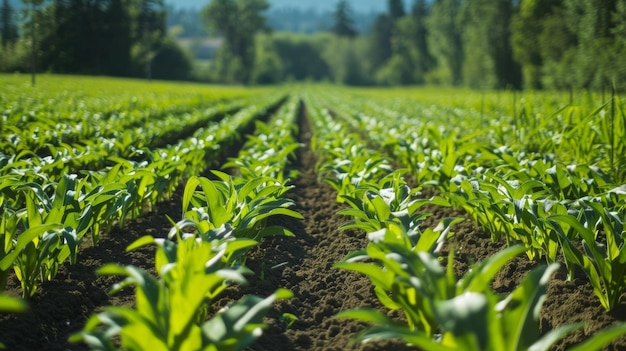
{"x":488,"y":60}
{"x":445,"y":40}
{"x":557,"y":45}
{"x":396,"y":9}
{"x":619,"y":20}
{"x":117,"y":40}
{"x":425,"y":61}
{"x":83,"y":36}
{"x":596,"y":64}
{"x":302,"y":55}
{"x":34,"y":18}
{"x":411,"y":60}
{"x":526,"y":26}
{"x":380,"y":41}
{"x":382,"y":33}
{"x":8,"y":29}
{"x":402,"y":68}
{"x":113,"y":37}
{"x":151,"y":18}
{"x":343,"y":61}
{"x":343,"y":25}
{"x":570,"y":44}
{"x":237,"y":21}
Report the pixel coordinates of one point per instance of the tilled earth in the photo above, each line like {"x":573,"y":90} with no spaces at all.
{"x":303,"y":264}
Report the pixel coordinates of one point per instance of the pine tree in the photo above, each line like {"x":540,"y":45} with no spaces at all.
{"x":419,"y":14}
{"x":396,"y":9}
{"x":445,"y":39}
{"x":383,"y":31}
{"x":237,"y":21}
{"x":380,"y":49}
{"x":596,"y":63}
{"x":488,"y":57}
{"x":343,"y":26}
{"x":527,"y":26}
{"x":8,"y":29}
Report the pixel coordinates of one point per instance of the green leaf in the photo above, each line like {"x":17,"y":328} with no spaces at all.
{"x":24,"y":239}
{"x":479,"y":278}
{"x":239,"y":325}
{"x":353,"y":212}
{"x":380,"y":206}
{"x":466,"y":318}
{"x":111,"y":269}
{"x":262,"y":212}
{"x":190,"y":188}
{"x":601,"y":338}
{"x":141,"y":242}
{"x":378,"y":276}
{"x":249,"y":189}
{"x":275,"y":231}
{"x":12,"y":305}
{"x":369,"y":315}
{"x":214,"y":202}
{"x":417,"y":339}
{"x":69,"y":235}
{"x":520,"y":310}
{"x":555,"y":335}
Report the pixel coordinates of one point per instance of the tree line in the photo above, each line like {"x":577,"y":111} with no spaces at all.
{"x":486,"y":44}
{"x":99,"y":37}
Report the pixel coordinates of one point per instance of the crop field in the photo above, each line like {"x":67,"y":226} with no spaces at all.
{"x":171,"y":216}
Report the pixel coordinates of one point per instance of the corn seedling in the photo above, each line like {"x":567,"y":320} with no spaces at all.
{"x":445,"y":314}
{"x":603,"y":262}
{"x":170,"y":312}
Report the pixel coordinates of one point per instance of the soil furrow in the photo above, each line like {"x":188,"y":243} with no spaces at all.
{"x":304,"y":264}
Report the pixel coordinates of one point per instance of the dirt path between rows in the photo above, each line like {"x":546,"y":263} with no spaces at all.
{"x":303,"y":264}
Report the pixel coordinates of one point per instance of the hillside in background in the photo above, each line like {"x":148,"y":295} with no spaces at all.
{"x":361,"y":6}
{"x":300,"y":16}
{"x":317,"y":5}
{"x":296,"y":20}
{"x":284,"y":16}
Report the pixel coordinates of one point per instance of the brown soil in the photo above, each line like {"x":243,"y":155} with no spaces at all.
{"x":62,"y":306}
{"x":303,"y":264}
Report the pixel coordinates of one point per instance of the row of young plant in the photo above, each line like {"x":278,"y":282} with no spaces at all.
{"x":69,"y":109}
{"x":530,"y":198}
{"x":587,"y":130}
{"x":28,"y":150}
{"x":401,"y":259}
{"x":205,"y":251}
{"x":40,"y":132}
{"x":54,"y":126}
{"x":43,"y":220}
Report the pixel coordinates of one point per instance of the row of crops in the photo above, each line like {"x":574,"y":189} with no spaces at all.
{"x":550,"y":210}
{"x":545,"y":175}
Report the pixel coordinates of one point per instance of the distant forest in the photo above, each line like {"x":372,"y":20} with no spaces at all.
{"x":483,"y":44}
{"x":363,"y":6}
{"x":188,"y":22}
